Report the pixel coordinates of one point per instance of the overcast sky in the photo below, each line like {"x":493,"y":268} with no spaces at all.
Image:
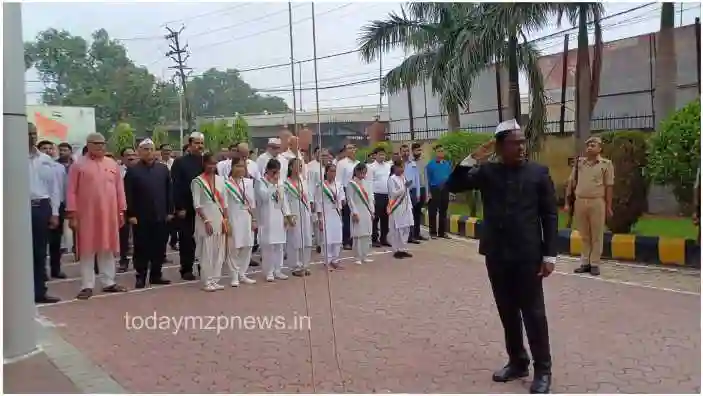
{"x":247,"y":35}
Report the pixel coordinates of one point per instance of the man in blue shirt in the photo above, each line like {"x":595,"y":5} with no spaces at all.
{"x":412,"y":174}
{"x":437,"y":173}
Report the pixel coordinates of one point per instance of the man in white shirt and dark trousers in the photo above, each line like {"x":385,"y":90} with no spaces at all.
{"x":56,"y":233}
{"x":45,"y":200}
{"x":345,"y":171}
{"x":379,"y":171}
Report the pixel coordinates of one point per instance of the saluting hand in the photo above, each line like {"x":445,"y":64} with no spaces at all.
{"x":484,"y":151}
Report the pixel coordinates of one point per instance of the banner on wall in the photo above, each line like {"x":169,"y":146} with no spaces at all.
{"x":62,"y":124}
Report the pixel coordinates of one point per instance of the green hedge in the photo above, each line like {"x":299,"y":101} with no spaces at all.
{"x":458,"y":145}
{"x":628,"y":151}
{"x":674,"y":153}
{"x":363,"y":152}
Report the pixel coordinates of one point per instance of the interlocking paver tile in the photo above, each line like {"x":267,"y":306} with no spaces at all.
{"x":426,"y":324}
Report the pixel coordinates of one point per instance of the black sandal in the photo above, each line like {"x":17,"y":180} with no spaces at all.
{"x":115,"y":289}
{"x":85,"y":294}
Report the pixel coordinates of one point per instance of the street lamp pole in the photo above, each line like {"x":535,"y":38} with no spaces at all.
{"x":20,"y":326}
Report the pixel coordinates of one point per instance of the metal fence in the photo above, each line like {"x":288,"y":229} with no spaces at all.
{"x":600,"y":124}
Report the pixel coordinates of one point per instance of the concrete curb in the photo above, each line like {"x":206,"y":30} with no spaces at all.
{"x":642,"y":249}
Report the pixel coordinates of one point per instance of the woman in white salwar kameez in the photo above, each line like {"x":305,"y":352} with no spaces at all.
{"x":400,"y":210}
{"x":211,"y":226}
{"x":273,"y":214}
{"x":299,"y":233}
{"x":241,"y":206}
{"x":329,"y":199}
{"x":361,"y":204}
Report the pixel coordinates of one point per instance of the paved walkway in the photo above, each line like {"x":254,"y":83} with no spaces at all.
{"x":426,"y":324}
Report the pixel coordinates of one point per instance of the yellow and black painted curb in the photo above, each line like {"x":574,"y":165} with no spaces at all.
{"x":641,"y":249}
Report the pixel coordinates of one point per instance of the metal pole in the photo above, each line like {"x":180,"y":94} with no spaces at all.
{"x":698,"y":51}
{"x":564,"y":70}
{"x":499,"y":93}
{"x":20,"y":335}
{"x":681,"y":15}
{"x":300,"y":85}
{"x":292,"y":69}
{"x":180,"y":117}
{"x":380,"y":82}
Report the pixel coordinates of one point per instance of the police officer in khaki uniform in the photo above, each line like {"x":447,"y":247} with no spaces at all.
{"x":594,"y":201}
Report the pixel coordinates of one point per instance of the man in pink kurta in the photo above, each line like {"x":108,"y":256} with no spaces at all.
{"x":95,"y":205}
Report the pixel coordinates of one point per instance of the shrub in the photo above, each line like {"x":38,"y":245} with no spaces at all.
{"x":458,"y":145}
{"x":628,"y":151}
{"x":674,"y":153}
{"x":122,"y":136}
{"x":363,"y":152}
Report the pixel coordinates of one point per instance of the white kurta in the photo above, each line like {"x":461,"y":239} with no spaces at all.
{"x":361,"y":203}
{"x":302,"y":232}
{"x":272,"y":206}
{"x":401,"y":217}
{"x":239,"y":212}
{"x":210,"y":208}
{"x":332,"y":209}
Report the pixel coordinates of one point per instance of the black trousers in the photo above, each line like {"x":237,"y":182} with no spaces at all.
{"x":172,"y":235}
{"x":186,"y":251}
{"x":418,"y":205}
{"x":381,"y":216}
{"x":41,"y":213}
{"x":55,"y":236}
{"x":346,"y":225}
{"x":124,"y":242}
{"x":519,"y":297}
{"x":148,"y":253}
{"x":438,"y":206}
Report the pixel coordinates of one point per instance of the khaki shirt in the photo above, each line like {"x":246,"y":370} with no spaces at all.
{"x":593,"y":177}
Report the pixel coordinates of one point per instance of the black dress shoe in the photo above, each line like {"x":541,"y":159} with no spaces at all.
{"x":318,"y":249}
{"x":541,"y":383}
{"x":253,"y":263}
{"x":347,"y":247}
{"x":510,"y":373}
{"x":376,"y":244}
{"x":140,"y":284}
{"x":414,"y":241}
{"x":445,"y":236}
{"x":160,"y":281}
{"x":399,"y":255}
{"x":406,"y":254}
{"x":46,"y":300}
{"x":422,"y":238}
{"x":60,"y":275}
{"x":188,"y":276}
{"x":595,"y":270}
{"x":386,"y":244}
{"x":583,"y":269}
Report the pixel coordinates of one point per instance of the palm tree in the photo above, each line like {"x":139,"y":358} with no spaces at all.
{"x":665,"y":66}
{"x":427,"y":29}
{"x":587,"y":78}
{"x":496,"y":33}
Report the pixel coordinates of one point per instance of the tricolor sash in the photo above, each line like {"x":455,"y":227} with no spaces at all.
{"x":237,"y":192}
{"x":394,"y":204}
{"x":211,"y":192}
{"x":332,"y":196}
{"x":361,"y":192}
{"x":274,"y":195}
{"x":297,"y":190}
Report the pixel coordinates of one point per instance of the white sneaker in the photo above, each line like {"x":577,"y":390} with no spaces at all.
{"x":210,"y":287}
{"x":358,"y":262}
{"x":270,"y":278}
{"x":218,"y":286}
{"x":235,"y":281}
{"x":368,"y":260}
{"x":246,"y":280}
{"x":280,"y":275}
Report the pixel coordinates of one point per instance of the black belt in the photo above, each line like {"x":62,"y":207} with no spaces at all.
{"x":37,"y":202}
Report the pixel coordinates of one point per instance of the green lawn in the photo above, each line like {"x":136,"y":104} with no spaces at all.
{"x":673,"y":227}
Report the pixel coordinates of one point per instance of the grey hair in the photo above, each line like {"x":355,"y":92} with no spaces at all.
{"x":93,"y":136}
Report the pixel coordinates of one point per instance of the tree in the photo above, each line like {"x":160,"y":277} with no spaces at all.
{"x":665,"y":66}
{"x":587,"y":78}
{"x":218,"y":93}
{"x":160,"y":136}
{"x":429,"y":29}
{"x":240,"y":130}
{"x":122,"y":136}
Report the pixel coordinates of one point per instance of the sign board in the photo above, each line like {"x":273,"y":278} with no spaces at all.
{"x":62,"y":124}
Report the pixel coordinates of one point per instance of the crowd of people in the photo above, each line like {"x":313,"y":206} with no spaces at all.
{"x":217,"y":209}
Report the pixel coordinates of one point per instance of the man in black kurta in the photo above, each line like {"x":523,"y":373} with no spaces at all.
{"x":149,"y":208}
{"x":518,"y":238}
{"x":183,"y":171}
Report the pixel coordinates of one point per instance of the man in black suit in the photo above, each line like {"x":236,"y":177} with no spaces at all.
{"x":518,"y":239}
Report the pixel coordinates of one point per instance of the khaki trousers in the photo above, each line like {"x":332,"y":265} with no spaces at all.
{"x":589,"y":214}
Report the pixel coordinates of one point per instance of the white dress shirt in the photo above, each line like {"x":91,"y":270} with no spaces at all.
{"x":379,"y":173}
{"x":345,"y":171}
{"x":168,"y":163}
{"x":44,"y":181}
{"x":225,"y":167}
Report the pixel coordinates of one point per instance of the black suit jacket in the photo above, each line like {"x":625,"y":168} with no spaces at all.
{"x":148,"y":191}
{"x":520,"y":221}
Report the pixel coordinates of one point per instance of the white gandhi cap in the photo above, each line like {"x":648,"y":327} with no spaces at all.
{"x":146,"y":142}
{"x":197,"y":135}
{"x":507,"y":125}
{"x":275,"y":141}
